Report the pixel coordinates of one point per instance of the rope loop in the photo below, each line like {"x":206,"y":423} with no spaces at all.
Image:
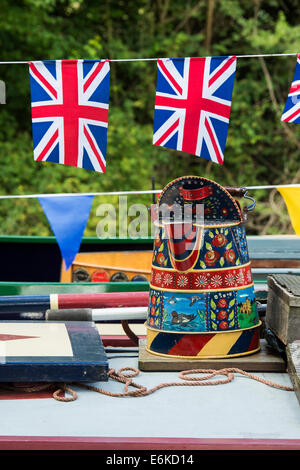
{"x":133,"y":369}
{"x":65,"y":388}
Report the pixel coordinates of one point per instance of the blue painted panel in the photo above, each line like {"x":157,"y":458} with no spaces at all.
{"x":274,"y":247}
{"x":82,"y":359}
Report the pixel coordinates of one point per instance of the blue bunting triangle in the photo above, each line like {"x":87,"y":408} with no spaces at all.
{"x":67,"y":216}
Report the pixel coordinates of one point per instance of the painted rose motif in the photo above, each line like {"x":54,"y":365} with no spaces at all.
{"x":222,"y":315}
{"x":223,"y":325}
{"x":152,"y":311}
{"x":160,"y":258}
{"x":222,"y":303}
{"x":219,"y":240}
{"x":211,"y":257}
{"x":230,"y":256}
{"x":153,"y":299}
{"x":151,"y":321}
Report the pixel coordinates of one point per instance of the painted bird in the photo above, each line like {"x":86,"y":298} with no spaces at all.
{"x":171,"y":300}
{"x":194,"y":300}
{"x":181,"y":317}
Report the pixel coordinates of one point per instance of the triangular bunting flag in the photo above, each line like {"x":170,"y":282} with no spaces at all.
{"x":67,"y":216}
{"x":291,"y":198}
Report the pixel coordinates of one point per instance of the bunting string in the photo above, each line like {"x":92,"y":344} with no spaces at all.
{"x":125,"y":193}
{"x":245,"y":56}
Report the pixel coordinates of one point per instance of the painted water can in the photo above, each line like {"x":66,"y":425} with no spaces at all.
{"x":202,"y":300}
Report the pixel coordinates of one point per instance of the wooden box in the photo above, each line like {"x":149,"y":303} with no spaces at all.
{"x":293,"y":362}
{"x":283,"y":307}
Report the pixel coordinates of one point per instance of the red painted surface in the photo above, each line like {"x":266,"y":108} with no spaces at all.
{"x":142,"y":443}
{"x":18,"y":394}
{"x":190,"y":345}
{"x":102,"y":300}
{"x":255,"y":340}
{"x":100,"y":276}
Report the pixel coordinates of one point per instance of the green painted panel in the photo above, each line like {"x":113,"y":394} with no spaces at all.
{"x":87,"y":240}
{"x":28,"y":288}
{"x":45,"y":288}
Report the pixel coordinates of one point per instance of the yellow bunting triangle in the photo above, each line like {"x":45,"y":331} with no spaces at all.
{"x":291,"y":198}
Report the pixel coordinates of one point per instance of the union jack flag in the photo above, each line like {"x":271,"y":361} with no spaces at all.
{"x":291,"y":111}
{"x":69,"y":103}
{"x":192,"y":105}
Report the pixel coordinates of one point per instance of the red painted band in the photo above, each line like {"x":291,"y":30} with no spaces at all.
{"x":107,"y":299}
{"x":195,"y":194}
{"x":202,"y":281}
{"x":142,"y":443}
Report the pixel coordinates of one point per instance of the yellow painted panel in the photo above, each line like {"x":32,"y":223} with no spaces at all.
{"x":151,"y":334}
{"x":129,"y":262}
{"x":220,"y":344}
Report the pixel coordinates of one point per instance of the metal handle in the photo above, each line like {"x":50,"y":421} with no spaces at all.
{"x":251,"y":206}
{"x":241,"y":192}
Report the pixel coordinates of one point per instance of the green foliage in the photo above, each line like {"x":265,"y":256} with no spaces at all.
{"x":246,"y":320}
{"x":260,"y":148}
